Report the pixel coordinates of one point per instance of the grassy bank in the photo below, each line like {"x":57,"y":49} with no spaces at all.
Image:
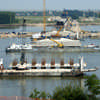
{"x":32,"y":19}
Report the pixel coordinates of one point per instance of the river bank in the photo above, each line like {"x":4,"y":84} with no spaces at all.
{"x":85,"y":24}
{"x":41,"y":24}
{"x":29,"y":34}
{"x":28,"y":24}
{"x":15,"y":30}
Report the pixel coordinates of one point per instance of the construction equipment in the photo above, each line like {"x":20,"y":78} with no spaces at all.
{"x":60,"y":45}
{"x":67,"y":20}
{"x":59,"y":31}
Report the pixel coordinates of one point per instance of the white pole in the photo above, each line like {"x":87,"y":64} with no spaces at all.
{"x":77,"y":35}
{"x":82,"y":66}
{"x":16,"y":97}
{"x":1,"y":61}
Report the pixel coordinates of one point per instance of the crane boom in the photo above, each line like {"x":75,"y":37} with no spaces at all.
{"x":44,"y":17}
{"x":59,"y":31}
{"x":60,"y":45}
{"x":61,"y":28}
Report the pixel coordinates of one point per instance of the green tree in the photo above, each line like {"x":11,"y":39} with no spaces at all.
{"x":7,"y":17}
{"x":93,"y":84}
{"x":69,"y":93}
{"x":73,"y":92}
{"x":34,"y":94}
{"x":43,"y":95}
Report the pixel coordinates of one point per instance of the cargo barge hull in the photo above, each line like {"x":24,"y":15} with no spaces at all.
{"x":41,"y":73}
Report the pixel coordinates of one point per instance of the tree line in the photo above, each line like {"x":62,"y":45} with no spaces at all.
{"x":7,"y":17}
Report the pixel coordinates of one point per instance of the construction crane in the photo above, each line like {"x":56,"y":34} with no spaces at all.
{"x":44,"y":16}
{"x":60,"y":45}
{"x":62,"y":27}
{"x":57,"y":35}
{"x":44,"y":20}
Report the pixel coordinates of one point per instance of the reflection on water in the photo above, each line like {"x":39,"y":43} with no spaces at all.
{"x":91,"y":28}
{"x":39,"y":29}
{"x":25,"y":29}
{"x":24,"y":86}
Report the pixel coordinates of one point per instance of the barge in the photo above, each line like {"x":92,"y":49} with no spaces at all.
{"x":45,"y":70}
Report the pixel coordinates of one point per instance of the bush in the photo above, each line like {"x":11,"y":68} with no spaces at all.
{"x":73,"y":92}
{"x":93,"y":84}
{"x":69,"y":93}
{"x":62,"y":93}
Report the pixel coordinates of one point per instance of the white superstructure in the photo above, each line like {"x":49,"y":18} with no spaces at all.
{"x":19,"y":47}
{"x":64,"y":41}
{"x":57,"y":66}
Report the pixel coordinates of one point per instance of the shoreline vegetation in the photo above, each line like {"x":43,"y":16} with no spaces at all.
{"x":90,"y":91}
{"x":27,"y":24}
{"x":93,"y":35}
{"x":38,"y":21}
{"x":41,"y":24}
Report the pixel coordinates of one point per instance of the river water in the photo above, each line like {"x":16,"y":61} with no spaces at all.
{"x":23,"y":86}
{"x":91,"y":28}
{"x":25,"y":29}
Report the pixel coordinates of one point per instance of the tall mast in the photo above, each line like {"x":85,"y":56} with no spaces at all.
{"x":44,"y":16}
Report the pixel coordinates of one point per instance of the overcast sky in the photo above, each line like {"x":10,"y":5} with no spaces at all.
{"x":50,"y":4}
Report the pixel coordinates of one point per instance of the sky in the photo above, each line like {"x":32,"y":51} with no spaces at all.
{"x":50,"y":4}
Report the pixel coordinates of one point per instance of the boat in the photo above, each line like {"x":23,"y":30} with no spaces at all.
{"x":93,"y":46}
{"x":18,"y":47}
{"x":44,"y":43}
{"x":97,"y":48}
{"x":47,"y":69}
{"x":52,"y":48}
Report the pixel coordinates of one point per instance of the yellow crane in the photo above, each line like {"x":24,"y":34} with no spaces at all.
{"x":44,"y":20}
{"x":60,"y":45}
{"x":62,"y":27}
{"x":59,"y":31}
